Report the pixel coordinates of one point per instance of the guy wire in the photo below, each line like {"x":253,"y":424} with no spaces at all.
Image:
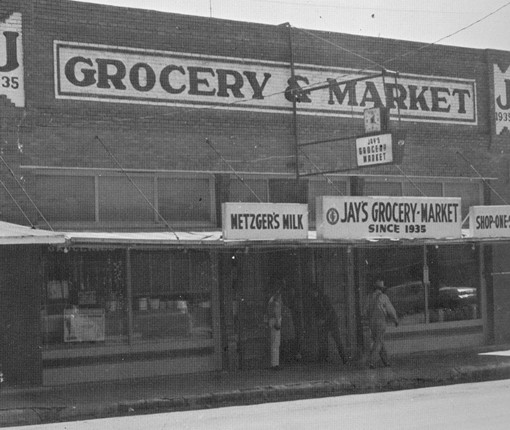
{"x":110,"y":154}
{"x":233,"y":170}
{"x":25,"y":192}
{"x":17,"y":204}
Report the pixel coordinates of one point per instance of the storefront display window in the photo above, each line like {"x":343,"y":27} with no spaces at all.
{"x":432,"y":284}
{"x":83,"y":298}
{"x":171,"y":294}
{"x":454,"y":282}
{"x":401,"y":270}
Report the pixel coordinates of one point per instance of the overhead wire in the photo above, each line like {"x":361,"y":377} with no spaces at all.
{"x":414,"y":51}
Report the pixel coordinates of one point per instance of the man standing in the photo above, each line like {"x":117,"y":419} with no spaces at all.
{"x":378,"y":310}
{"x":327,"y":320}
{"x":274,"y":319}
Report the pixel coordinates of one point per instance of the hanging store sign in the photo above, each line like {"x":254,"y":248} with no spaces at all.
{"x":489,"y":221}
{"x":388,"y":217}
{"x":11,"y":60}
{"x":374,"y":150}
{"x":264,"y":221}
{"x":127,"y":75}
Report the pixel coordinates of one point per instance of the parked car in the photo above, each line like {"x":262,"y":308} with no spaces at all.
{"x":451,"y":297}
{"x":407,"y":298}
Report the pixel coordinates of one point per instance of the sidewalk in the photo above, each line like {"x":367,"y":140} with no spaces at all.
{"x":217,"y":389}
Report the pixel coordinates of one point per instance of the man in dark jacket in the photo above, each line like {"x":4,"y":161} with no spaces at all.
{"x":327,"y":320}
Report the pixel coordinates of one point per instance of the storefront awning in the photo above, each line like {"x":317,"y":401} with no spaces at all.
{"x":214,"y":239}
{"x":14,"y":234}
{"x":143,"y":238}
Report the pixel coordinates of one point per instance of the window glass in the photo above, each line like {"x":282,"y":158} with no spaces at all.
{"x":119,"y":199}
{"x":454,"y":282}
{"x":66,"y":198}
{"x":284,"y":191}
{"x":452,"y":293}
{"x":171,"y":295}
{"x":380,"y":188}
{"x":248,"y":190}
{"x":401,"y":270}
{"x":83,"y":298}
{"x":185,"y":199}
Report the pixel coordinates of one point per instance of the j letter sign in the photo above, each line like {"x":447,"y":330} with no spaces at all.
{"x":11,"y":60}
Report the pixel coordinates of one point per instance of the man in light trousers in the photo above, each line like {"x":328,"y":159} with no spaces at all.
{"x":378,"y":310}
{"x":274,"y":315}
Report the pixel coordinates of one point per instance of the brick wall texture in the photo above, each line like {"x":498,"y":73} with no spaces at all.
{"x":61,"y":133}
{"x":55,"y":132}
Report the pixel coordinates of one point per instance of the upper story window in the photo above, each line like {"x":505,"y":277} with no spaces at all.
{"x":470,"y":191}
{"x":107,"y":198}
{"x":283,"y":189}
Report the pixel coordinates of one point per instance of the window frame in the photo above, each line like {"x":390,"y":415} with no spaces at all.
{"x":155,"y":223}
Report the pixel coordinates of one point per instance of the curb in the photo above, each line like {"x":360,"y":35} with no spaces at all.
{"x":380,"y":382}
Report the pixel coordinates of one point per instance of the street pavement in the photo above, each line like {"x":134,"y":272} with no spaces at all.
{"x":218,"y":389}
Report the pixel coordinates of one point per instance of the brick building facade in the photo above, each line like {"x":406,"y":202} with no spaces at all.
{"x":117,"y":120}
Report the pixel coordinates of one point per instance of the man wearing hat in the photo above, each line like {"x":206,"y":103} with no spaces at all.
{"x":378,"y":310}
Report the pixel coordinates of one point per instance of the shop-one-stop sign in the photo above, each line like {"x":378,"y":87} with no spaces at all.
{"x":489,"y":221}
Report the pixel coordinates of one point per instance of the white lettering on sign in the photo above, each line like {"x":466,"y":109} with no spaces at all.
{"x":128,"y":75}
{"x":489,"y":221}
{"x":373,"y":150}
{"x":388,"y":217}
{"x":264,"y":221}
{"x":501,"y":98}
{"x":11,"y":60}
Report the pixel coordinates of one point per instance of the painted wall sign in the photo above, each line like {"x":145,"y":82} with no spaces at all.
{"x":264,"y":221}
{"x":388,"y":217}
{"x":11,"y":60}
{"x":501,"y":98}
{"x":374,"y":150}
{"x":127,"y":75}
{"x":489,"y":221}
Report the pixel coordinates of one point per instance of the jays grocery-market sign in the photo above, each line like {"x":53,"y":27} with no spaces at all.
{"x":127,"y":75}
{"x":381,"y":217}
